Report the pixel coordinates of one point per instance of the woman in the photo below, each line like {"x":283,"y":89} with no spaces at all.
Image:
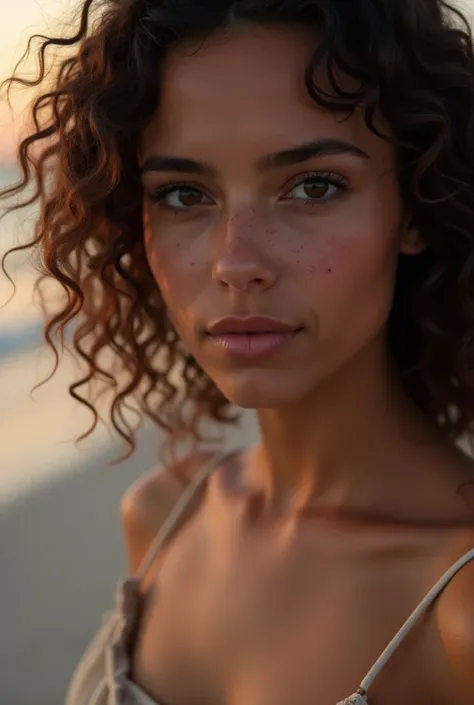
{"x":270,"y":204}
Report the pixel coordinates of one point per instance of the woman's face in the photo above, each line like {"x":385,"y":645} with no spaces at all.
{"x":258,"y":203}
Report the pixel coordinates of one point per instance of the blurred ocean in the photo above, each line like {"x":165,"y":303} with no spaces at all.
{"x":20,"y":322}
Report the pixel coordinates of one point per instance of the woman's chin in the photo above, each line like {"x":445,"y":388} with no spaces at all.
{"x":258,"y":390}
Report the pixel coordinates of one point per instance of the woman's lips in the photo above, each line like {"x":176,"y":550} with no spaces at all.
{"x":250,"y":337}
{"x":250,"y":346}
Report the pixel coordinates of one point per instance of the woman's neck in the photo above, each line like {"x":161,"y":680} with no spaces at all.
{"x":347,"y":443}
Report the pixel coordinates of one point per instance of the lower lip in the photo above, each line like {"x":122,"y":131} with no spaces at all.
{"x":250,"y":346}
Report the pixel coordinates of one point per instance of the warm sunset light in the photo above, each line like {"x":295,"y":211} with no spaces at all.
{"x":18,"y":21}
{"x":236,"y":352}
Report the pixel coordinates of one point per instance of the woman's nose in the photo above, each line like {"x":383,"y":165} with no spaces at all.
{"x":243,"y":259}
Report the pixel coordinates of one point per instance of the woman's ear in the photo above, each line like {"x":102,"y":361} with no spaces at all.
{"x":411,"y":242}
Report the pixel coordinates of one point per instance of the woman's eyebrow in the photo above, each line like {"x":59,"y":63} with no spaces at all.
{"x":274,"y":160}
{"x":163,"y":162}
{"x":308,"y":150}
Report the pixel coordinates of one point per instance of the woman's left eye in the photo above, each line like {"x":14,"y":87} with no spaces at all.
{"x":318,"y":189}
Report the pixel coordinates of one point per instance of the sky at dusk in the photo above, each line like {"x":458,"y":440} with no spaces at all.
{"x":19,"y":19}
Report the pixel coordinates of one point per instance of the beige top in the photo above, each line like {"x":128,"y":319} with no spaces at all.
{"x":102,"y":676}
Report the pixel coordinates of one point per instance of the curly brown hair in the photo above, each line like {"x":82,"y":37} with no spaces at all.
{"x":414,"y":64}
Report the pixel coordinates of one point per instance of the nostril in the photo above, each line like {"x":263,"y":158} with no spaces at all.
{"x":242,"y":275}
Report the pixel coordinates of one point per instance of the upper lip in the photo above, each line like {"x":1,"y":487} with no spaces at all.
{"x":249,"y":324}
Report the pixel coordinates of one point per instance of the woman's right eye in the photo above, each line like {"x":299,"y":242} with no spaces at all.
{"x":179,"y":198}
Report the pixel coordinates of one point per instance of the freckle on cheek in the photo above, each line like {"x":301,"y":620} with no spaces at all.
{"x":298,"y":250}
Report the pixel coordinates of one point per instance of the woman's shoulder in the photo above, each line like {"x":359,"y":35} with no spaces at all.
{"x":455,"y":623}
{"x":148,"y":501}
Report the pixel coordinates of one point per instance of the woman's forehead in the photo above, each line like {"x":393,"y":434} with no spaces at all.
{"x":248,"y":88}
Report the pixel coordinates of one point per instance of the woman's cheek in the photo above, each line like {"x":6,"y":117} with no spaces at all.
{"x":353,"y":268}
{"x":168,"y":257}
{"x":181,"y":278}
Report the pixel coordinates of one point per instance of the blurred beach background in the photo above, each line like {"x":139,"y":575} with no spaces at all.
{"x":60,"y":543}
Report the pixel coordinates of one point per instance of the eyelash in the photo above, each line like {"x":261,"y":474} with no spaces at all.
{"x":332,"y":179}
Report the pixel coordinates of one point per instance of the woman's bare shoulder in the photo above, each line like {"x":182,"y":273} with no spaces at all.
{"x":455,"y":625}
{"x":147,"y":503}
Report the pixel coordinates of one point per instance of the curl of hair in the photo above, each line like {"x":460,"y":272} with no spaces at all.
{"x":413,"y":63}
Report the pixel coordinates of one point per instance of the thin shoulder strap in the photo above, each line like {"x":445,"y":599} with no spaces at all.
{"x":178,"y":510}
{"x":413,"y":619}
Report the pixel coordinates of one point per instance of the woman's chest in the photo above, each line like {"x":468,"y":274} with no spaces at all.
{"x":257,"y":622}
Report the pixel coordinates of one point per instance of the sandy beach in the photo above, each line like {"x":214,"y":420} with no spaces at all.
{"x":60,"y":555}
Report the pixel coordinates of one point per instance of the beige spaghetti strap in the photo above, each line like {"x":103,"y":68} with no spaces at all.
{"x":178,"y":510}
{"x":413,"y":619}
{"x":360,"y":696}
